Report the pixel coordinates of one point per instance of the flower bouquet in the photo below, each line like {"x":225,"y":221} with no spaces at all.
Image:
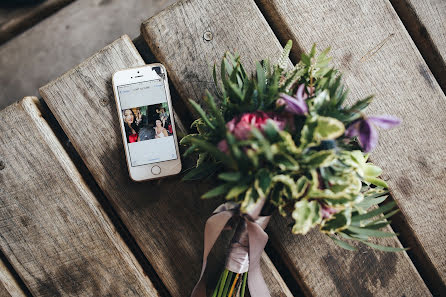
{"x":284,"y":139}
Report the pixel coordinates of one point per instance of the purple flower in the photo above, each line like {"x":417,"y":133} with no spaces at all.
{"x":294,"y":104}
{"x":366,"y":130}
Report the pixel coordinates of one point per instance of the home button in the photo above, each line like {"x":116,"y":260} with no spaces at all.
{"x":156,"y":170}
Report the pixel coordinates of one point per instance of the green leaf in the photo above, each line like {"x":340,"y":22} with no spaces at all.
{"x":371,"y":170}
{"x":283,"y":59}
{"x":306,"y":215}
{"x":328,"y":128}
{"x":203,"y":115}
{"x":374,"y":212}
{"x":236,"y":190}
{"x":370,"y":232}
{"x":305,"y":59}
{"x":384,"y":248}
{"x":217,"y":191}
{"x":383,"y":218}
{"x":343,"y":244}
{"x":261,"y":81}
{"x":288,"y":182}
{"x":214,"y":151}
{"x":376,"y":181}
{"x":271,"y":131}
{"x":200,"y":172}
{"x":286,"y":162}
{"x":369,"y":202}
{"x":214,"y":109}
{"x":264,"y":179}
{"x":361,"y":104}
{"x":319,"y":159}
{"x":230,"y":176}
{"x":321,"y":98}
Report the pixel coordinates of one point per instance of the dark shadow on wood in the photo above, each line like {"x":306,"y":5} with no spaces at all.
{"x":422,"y":40}
{"x":32,"y":14}
{"x":102,"y":199}
{"x":16,"y":276}
{"x":283,"y":270}
{"x":417,"y":254}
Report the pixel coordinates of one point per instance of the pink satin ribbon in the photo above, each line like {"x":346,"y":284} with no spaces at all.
{"x":257,"y":239}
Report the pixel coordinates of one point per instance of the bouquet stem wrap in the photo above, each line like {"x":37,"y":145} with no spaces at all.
{"x":246,"y":247}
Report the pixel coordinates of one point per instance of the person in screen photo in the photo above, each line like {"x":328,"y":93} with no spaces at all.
{"x":130,"y":126}
{"x":160,"y":131}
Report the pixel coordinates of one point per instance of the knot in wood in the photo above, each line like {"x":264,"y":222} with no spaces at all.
{"x":103,"y":101}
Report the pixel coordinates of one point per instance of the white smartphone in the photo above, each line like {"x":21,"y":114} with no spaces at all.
{"x":147,"y":123}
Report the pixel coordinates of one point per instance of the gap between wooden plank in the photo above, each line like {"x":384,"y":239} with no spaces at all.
{"x":420,"y":259}
{"x":423,"y":39}
{"x":11,"y":285}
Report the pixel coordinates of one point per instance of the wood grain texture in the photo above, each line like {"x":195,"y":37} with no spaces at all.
{"x":371,"y":46}
{"x":9,"y":286}
{"x":53,"y":231}
{"x":166,"y":217}
{"x":425,"y":20}
{"x":14,"y":20}
{"x":323,"y":269}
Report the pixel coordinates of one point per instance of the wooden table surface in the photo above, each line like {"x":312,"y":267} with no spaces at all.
{"x":72,"y":223}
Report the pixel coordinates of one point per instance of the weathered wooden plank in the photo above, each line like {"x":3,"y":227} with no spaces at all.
{"x":176,"y":38}
{"x":425,"y":20}
{"x":56,"y":44}
{"x":165,"y":217}
{"x":371,"y":46}
{"x":9,"y":286}
{"x":53,"y":231}
{"x":14,"y":20}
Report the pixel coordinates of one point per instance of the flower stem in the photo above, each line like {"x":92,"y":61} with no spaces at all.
{"x":233,"y":285}
{"x":218,"y":286}
{"x":242,"y":292}
{"x":223,"y":281}
{"x":225,"y":292}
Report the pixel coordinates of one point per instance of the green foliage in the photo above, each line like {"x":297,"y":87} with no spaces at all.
{"x":302,"y":163}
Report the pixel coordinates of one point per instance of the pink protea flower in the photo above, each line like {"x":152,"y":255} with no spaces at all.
{"x":327,"y":211}
{"x":241,"y":126}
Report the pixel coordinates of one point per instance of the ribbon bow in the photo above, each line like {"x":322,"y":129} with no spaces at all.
{"x":257,"y":239}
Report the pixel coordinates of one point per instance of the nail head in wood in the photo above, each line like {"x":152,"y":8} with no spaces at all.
{"x":207,"y":36}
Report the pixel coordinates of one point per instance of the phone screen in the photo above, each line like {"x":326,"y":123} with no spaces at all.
{"x":147,"y":122}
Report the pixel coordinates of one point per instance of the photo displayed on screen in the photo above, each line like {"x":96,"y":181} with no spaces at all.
{"x":147,"y":122}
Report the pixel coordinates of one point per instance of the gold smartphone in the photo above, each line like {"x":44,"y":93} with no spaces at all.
{"x":147,"y":124}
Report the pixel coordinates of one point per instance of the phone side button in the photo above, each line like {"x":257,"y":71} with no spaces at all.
{"x":156,"y":170}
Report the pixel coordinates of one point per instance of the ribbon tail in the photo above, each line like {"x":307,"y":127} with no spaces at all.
{"x":213,"y":228}
{"x":257,"y":242}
